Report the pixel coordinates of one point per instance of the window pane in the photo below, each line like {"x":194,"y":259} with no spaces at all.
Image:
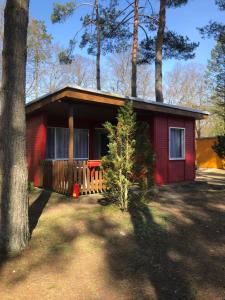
{"x":50,"y":151}
{"x":62,"y":139}
{"x":176,"y":143}
{"x":81,"y":144}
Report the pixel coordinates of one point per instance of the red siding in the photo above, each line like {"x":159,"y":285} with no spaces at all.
{"x":169,"y":171}
{"x":166,"y":171}
{"x":160,"y":147}
{"x":36,"y":146}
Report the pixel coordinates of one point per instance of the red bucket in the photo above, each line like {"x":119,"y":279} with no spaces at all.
{"x":76,"y":191}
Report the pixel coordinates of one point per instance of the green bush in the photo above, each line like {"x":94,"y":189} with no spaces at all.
{"x":30,"y":186}
{"x":219,"y":146}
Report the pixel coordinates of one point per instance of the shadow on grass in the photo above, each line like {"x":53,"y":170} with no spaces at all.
{"x":166,"y":275}
{"x":36,"y":209}
{"x":140,"y":261}
{"x":34,"y":212}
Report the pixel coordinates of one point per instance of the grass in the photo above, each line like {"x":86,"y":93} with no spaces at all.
{"x":172,"y":248}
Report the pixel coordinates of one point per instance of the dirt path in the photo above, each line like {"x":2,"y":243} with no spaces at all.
{"x":173,"y":248}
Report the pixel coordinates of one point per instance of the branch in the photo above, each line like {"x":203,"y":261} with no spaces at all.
{"x":144,"y":31}
{"x":124,"y":9}
{"x":149,"y":2}
{"x":124,"y":20}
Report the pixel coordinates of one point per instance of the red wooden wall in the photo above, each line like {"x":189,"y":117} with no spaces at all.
{"x":169,"y":171}
{"x":36,"y":146}
{"x":166,"y":171}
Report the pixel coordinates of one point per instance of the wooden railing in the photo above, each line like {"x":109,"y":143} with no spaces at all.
{"x":56,"y":176}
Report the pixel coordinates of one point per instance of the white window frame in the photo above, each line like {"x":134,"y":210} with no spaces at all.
{"x":66,"y":158}
{"x":183,"y":146}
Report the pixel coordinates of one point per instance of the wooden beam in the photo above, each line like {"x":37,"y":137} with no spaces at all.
{"x":71,"y":149}
{"x":71,"y":133}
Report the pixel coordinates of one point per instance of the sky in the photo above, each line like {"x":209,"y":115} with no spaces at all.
{"x":183,"y":20}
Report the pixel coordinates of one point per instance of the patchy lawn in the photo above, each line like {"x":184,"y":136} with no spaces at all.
{"x":173,"y":248}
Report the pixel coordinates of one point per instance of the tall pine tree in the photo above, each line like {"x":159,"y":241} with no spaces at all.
{"x":14,"y":231}
{"x":216,"y":68}
{"x":101,"y":34}
{"x":165,"y":44}
{"x":216,"y":75}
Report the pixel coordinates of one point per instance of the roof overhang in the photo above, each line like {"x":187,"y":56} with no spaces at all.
{"x":97,"y":97}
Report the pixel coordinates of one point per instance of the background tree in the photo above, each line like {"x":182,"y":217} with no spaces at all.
{"x":216,"y":68}
{"x":216,"y":75}
{"x":219,"y":148}
{"x":14,"y":231}
{"x":186,"y":85}
{"x":38,"y":43}
{"x":120,"y":70}
{"x":214,"y":29}
{"x":134,"y":50}
{"x":137,"y":13}
{"x":81,"y":72}
{"x":164,"y":45}
{"x":118,"y":163}
{"x":106,"y":37}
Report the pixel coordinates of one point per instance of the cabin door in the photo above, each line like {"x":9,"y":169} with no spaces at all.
{"x":100,"y":142}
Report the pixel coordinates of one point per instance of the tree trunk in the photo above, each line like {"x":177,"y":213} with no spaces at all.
{"x":98,"y":56}
{"x":158,"y":57}
{"x":198,"y":128}
{"x":14,"y":230}
{"x":36,"y":74}
{"x":134,"y":52}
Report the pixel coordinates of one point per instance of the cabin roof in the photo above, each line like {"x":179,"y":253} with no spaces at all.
{"x":78,"y":94}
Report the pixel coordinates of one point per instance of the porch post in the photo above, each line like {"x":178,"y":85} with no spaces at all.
{"x":70,"y":150}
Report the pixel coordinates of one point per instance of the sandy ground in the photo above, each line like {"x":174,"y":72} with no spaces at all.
{"x":172,"y":248}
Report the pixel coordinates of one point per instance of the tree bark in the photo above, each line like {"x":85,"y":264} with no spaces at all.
{"x":98,"y":56}
{"x":14,"y":230}
{"x":158,"y":57}
{"x":36,"y":74}
{"x":134,"y":52}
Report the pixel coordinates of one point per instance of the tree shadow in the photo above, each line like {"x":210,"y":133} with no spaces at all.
{"x":36,"y":209}
{"x":139,"y":263}
{"x":167,"y":275}
{"x":168,"y":263}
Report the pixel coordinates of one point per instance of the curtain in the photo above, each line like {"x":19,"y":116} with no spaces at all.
{"x":58,"y":139}
{"x":176,"y":143}
{"x":50,"y":151}
{"x":81,"y":144}
{"x":62,"y":140}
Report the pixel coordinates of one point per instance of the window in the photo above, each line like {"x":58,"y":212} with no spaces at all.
{"x":58,"y":139}
{"x":50,"y":152}
{"x":176,"y":143}
{"x":61,"y":140}
{"x":81,"y":143}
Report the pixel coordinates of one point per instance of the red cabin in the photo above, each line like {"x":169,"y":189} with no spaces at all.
{"x":64,"y":128}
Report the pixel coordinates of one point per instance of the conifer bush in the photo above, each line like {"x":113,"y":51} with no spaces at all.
{"x":129,"y":157}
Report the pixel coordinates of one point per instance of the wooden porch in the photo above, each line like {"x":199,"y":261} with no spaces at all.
{"x":60,"y":176}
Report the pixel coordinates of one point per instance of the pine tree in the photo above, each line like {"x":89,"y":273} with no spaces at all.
{"x":38,"y":43}
{"x":118,"y":164}
{"x":215,"y":29}
{"x":101,"y":34}
{"x":216,"y":68}
{"x":14,"y":230}
{"x":165,"y":45}
{"x":216,"y":75}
